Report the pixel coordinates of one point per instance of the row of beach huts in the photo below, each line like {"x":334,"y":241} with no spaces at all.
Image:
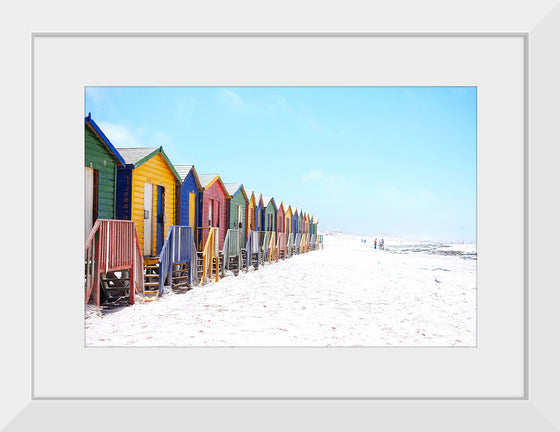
{"x":153,"y":225}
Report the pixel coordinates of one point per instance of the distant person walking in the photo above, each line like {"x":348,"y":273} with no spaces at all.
{"x":382,"y":245}
{"x":375,"y":244}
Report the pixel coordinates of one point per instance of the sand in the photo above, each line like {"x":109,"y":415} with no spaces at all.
{"x":413,"y":293}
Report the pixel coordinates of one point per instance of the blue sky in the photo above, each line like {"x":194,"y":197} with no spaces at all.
{"x":364,"y":160}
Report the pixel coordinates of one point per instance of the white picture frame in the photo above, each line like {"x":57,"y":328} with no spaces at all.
{"x":27,"y":407}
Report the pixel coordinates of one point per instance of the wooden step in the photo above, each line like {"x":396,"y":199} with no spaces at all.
{"x":116,"y":288}
{"x":184,"y":279}
{"x":151,"y":283}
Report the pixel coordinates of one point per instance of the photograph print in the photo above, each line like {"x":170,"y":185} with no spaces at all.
{"x":280,"y":216}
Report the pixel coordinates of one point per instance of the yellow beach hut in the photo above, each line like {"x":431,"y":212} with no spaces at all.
{"x":251,"y":224}
{"x":288,"y":216}
{"x":146,"y":194}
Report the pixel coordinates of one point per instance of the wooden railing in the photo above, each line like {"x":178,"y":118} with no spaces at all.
{"x":313,"y":242}
{"x":199,"y":237}
{"x":261,"y":237}
{"x":113,"y":245}
{"x":264,"y":244}
{"x":281,"y":246}
{"x":272,"y":246}
{"x":232,"y":248}
{"x":179,"y":247}
{"x":252,"y":248}
{"x":290,"y":245}
{"x":211,"y":253}
{"x":297,"y":242}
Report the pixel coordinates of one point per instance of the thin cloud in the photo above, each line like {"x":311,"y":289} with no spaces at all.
{"x":159,"y":138}
{"x":409,"y":93}
{"x":314,"y":175}
{"x":333,"y":184}
{"x":230,"y":99}
{"x":120,"y":135}
{"x":277,"y":102}
{"x":417,"y":199}
{"x":99,"y":99}
{"x":315,"y":126}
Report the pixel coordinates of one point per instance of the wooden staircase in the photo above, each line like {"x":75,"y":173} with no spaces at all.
{"x":115,"y":286}
{"x":220,"y":269}
{"x":113,"y":259}
{"x":254,"y":261}
{"x":233,"y":265}
{"x":180,"y":277}
{"x":151,"y":278}
{"x":199,"y":265}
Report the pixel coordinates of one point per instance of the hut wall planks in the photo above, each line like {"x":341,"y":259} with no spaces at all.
{"x":251,"y":214}
{"x":157,"y":172}
{"x":216,"y":195}
{"x":189,"y":186}
{"x":98,"y":157}
{"x":270,"y":214}
{"x":238,"y":200}
{"x":288,"y":222}
{"x":280,"y":219}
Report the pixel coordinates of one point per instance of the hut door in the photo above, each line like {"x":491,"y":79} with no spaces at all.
{"x":218,"y":216}
{"x":148,"y":203}
{"x":160,"y":218}
{"x":88,"y":196}
{"x":250,"y":218}
{"x":192,"y":206}
{"x":239,"y":217}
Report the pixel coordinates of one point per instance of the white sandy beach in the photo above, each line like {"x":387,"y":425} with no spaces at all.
{"x":411,"y":294}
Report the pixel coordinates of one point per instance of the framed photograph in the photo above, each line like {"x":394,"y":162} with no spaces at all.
{"x":367,"y":161}
{"x":508,"y":379}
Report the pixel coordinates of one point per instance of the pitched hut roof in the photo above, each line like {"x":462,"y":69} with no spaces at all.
{"x":103,"y":138}
{"x":233,"y":188}
{"x":258,"y":198}
{"x":136,"y":156}
{"x":184,"y":170}
{"x":266,"y":201}
{"x":250,"y":194}
{"x":206,"y":180}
